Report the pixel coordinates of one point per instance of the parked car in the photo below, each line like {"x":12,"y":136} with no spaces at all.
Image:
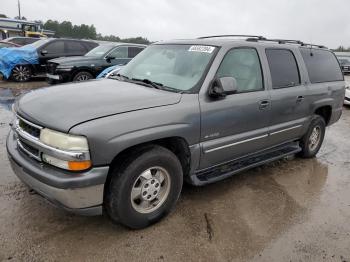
{"x":347,"y":96}
{"x":21,"y":41}
{"x":7,"y":44}
{"x":47,"y":49}
{"x":344,"y":64}
{"x":89,"y":66}
{"x":110,"y":71}
{"x":196,"y":110}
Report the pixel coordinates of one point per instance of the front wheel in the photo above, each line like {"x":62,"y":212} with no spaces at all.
{"x":313,"y":139}
{"x":144,"y":188}
{"x":21,"y":73}
{"x":82,"y":76}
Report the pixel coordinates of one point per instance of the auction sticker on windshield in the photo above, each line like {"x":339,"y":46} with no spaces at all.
{"x":201,"y":48}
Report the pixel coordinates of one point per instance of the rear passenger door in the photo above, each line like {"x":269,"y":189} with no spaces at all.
{"x":75,"y":48}
{"x":289,"y":105}
{"x":133,"y":51}
{"x":236,"y":125}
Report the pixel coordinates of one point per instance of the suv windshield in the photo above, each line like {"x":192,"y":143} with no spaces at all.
{"x":99,"y":50}
{"x":176,"y":66}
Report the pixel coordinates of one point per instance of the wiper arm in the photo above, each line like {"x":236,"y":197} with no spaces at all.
{"x":118,"y":77}
{"x":157,"y":85}
{"x":149,"y":82}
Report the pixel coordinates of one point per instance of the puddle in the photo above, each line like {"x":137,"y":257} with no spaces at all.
{"x":8,"y":96}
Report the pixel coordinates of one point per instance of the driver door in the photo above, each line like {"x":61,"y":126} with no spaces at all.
{"x":236,"y":125}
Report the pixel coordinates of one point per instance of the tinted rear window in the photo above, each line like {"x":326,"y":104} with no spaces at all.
{"x":283,"y":68}
{"x":75,"y":47}
{"x":321,"y":65}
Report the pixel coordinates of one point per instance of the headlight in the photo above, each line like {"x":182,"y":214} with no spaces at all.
{"x":69,"y":143}
{"x":63,"y":141}
{"x":64,"y":68}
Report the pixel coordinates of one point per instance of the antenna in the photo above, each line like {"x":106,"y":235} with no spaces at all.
{"x":19,"y":10}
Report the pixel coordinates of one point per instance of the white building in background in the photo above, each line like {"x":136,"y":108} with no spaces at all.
{"x":14,"y":27}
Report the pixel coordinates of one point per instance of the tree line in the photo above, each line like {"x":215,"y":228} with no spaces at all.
{"x":83,"y":31}
{"x":67,"y":29}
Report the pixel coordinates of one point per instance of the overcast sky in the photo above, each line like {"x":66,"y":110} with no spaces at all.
{"x":317,"y":21}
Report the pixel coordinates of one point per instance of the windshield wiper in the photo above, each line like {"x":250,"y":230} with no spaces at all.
{"x":149,"y":82}
{"x":156,"y":85}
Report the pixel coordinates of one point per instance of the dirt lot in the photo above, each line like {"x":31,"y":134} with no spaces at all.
{"x":291,"y":210}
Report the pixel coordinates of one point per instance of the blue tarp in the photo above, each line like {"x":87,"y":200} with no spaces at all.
{"x":12,"y":56}
{"x":105,"y":72}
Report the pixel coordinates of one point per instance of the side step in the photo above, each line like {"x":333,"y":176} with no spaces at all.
{"x":228,"y":169}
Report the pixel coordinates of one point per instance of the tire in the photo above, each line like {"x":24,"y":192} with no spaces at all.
{"x":311,"y":141}
{"x":21,"y":73}
{"x":144,"y":188}
{"x":82,"y":76}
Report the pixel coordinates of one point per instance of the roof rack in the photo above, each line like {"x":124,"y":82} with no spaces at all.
{"x":256,"y":38}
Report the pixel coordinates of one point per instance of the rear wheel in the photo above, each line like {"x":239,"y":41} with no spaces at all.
{"x":313,"y":139}
{"x":144,"y":188}
{"x":21,"y":73}
{"x":82,"y":76}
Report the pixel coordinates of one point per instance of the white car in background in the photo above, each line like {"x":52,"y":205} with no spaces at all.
{"x":347,"y":90}
{"x":347,"y":96}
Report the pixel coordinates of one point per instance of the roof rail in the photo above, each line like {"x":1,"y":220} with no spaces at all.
{"x":258,"y":37}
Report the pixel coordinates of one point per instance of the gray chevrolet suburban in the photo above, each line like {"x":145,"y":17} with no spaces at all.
{"x":196,"y":110}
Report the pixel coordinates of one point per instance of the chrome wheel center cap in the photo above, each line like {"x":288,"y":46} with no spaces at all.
{"x":150,"y":189}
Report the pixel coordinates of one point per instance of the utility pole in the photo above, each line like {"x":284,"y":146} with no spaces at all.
{"x":19,"y":10}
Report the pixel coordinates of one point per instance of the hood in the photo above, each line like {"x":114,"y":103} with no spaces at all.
{"x":63,"y":106}
{"x":73,"y":59}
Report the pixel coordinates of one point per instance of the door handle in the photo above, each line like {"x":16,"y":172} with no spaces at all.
{"x":300,"y":98}
{"x":264,"y":104}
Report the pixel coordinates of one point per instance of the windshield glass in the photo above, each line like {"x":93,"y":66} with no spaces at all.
{"x":176,"y":66}
{"x":99,"y":50}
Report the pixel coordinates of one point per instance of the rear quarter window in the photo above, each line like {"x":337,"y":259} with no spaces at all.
{"x":322,"y":65}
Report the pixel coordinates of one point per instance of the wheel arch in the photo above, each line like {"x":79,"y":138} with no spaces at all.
{"x":82,"y":69}
{"x":325,"y":111}
{"x":175,"y":144}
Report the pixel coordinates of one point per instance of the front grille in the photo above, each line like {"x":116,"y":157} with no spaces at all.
{"x":29,"y":148}
{"x":30,"y":129}
{"x":347,"y":99}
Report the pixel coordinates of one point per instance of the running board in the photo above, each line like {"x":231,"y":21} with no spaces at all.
{"x":228,"y":169}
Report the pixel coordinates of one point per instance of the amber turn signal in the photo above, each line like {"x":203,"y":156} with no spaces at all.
{"x":79,"y":165}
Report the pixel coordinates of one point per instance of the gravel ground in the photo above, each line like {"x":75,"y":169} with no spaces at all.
{"x":290,"y":210}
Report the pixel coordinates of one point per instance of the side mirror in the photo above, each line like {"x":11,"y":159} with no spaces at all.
{"x":222,"y":87}
{"x":109,"y":58}
{"x":44,"y":52}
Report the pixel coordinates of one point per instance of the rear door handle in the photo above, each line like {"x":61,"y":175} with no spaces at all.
{"x":264,"y":104}
{"x":300,"y":98}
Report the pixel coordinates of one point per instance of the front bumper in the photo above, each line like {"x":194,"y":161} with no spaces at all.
{"x":80,"y":193}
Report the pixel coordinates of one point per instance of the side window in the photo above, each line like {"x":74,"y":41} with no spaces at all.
{"x":244,"y":65}
{"x":321,"y":65}
{"x":119,"y":52}
{"x":133,"y":51}
{"x":55,"y":47}
{"x":283,"y":67}
{"x":75,"y":47}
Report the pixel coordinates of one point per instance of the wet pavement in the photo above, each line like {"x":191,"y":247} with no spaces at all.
{"x":290,"y":210}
